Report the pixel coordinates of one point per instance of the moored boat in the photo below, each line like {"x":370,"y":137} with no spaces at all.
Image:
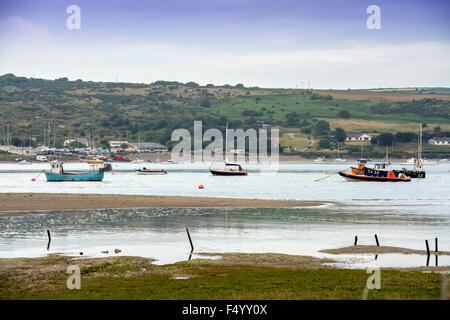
{"x":145,"y":171}
{"x":418,"y":171}
{"x":390,"y":177}
{"x":380,"y":172}
{"x":231,"y":169}
{"x":319,"y":159}
{"x":57,"y":173}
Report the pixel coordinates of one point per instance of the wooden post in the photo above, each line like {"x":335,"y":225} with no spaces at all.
{"x":376,"y":239}
{"x":428,"y":248}
{"x":436,"y":244}
{"x":190,"y":240}
{"x":356,"y":240}
{"x":49,"y":239}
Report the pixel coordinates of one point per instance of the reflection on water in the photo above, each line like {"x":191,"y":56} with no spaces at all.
{"x":161,"y":232}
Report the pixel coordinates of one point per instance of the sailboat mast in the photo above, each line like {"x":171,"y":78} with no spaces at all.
{"x":226,"y":143}
{"x":420,"y":142}
{"x":361,"y":150}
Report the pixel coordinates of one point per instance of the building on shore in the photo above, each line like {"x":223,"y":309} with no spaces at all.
{"x":439,"y":141}
{"x":358,"y":137}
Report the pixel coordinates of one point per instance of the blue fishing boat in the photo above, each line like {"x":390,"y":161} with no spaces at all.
{"x":57,"y":174}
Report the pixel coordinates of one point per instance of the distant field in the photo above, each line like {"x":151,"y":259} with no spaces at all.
{"x":359,"y":125}
{"x":371,"y":95}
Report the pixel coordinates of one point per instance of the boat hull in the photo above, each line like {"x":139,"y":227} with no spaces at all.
{"x":151,"y":172}
{"x":228,"y":173}
{"x":357,"y":177}
{"x":413,"y":173}
{"x":94,"y":176}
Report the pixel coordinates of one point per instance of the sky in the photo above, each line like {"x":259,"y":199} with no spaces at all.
{"x":277,"y":44}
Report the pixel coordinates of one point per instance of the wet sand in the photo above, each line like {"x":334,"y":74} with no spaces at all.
{"x":66,"y":201}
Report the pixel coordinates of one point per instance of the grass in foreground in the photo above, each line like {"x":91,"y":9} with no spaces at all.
{"x":137,"y":278}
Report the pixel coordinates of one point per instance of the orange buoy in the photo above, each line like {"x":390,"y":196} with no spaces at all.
{"x":201,"y":186}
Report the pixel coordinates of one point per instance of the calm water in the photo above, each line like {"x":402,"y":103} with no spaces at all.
{"x":402,"y":214}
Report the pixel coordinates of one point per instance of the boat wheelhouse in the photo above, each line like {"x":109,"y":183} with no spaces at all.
{"x":360,"y":168}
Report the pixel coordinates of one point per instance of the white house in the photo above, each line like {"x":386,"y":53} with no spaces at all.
{"x":358,"y":137}
{"x":439,"y":141}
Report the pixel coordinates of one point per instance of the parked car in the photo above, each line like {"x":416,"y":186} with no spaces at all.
{"x":121,"y":158}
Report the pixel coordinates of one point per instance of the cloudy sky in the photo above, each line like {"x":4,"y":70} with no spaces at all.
{"x":278,"y":43}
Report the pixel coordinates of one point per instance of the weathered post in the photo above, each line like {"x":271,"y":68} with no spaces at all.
{"x":428,"y":248}
{"x":190,"y":240}
{"x":49,"y":239}
{"x":376,"y":239}
{"x":436,"y":245}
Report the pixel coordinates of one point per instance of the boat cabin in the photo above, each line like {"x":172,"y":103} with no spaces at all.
{"x":362,"y":163}
{"x":233,"y":166}
{"x":381,"y":166}
{"x":56,"y":167}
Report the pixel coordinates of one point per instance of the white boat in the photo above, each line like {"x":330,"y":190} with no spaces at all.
{"x":411,"y":161}
{"x":339,"y":158}
{"x":320,"y":159}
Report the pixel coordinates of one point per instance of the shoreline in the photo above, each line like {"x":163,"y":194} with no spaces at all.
{"x":19,"y":202}
{"x":238,"y":275}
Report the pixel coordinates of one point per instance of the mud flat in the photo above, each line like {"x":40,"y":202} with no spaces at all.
{"x":66,"y":201}
{"x":380,"y":250}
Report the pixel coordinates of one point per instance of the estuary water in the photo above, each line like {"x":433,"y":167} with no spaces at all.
{"x":401,"y":214}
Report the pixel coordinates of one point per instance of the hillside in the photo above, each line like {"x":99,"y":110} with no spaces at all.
{"x":108,"y":110}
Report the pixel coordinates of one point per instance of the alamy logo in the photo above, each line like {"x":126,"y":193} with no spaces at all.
{"x":373,"y":281}
{"x":373,"y":22}
{"x":74,"y":280}
{"x":73,"y":22}
{"x":241,"y":146}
